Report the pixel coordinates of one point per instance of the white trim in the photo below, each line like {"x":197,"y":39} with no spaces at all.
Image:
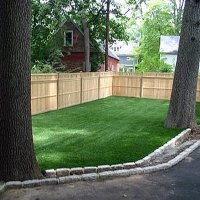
{"x":65,"y":41}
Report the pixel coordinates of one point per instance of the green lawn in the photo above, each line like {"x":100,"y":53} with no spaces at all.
{"x":113,"y":130}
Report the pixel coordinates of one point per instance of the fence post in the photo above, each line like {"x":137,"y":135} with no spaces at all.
{"x":141,"y":85}
{"x":98,"y":85}
{"x":81,"y":88}
{"x":113,"y":73}
{"x":57,"y":90}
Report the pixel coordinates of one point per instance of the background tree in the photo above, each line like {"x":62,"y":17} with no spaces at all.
{"x":138,"y":9}
{"x":149,"y":20}
{"x":181,"y":112}
{"x":157,"y":21}
{"x":46,"y":48}
{"x":90,"y":15}
{"x":177,"y":13}
{"x":17,"y":156}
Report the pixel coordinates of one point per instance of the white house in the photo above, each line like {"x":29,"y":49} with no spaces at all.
{"x":169,"y":49}
{"x":124,"y":50}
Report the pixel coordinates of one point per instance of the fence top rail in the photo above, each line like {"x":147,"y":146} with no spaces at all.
{"x":69,"y":75}
{"x":98,"y":74}
{"x":40,"y":77}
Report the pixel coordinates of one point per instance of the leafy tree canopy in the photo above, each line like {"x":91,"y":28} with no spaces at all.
{"x":48,"y":17}
{"x":157,"y":21}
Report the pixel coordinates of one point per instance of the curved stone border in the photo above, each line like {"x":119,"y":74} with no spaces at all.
{"x":66,"y":175}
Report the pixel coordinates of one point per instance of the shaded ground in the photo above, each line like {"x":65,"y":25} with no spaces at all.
{"x":180,"y":182}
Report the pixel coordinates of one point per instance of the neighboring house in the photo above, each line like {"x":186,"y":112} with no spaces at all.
{"x":113,"y":61}
{"x":124,"y":50}
{"x":74,"y":49}
{"x":169,"y":49}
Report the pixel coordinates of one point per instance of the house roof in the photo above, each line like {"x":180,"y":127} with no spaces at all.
{"x":123,"y":48}
{"x":112,"y":54}
{"x":169,"y":44}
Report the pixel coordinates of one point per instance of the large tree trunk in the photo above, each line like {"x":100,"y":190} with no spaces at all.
{"x":87,"y":66}
{"x":17,"y":158}
{"x":181,"y":111}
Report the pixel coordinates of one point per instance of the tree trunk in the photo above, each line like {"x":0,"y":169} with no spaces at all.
{"x":181,"y":112}
{"x":17,"y":158}
{"x":87,"y":67}
{"x":107,"y":34}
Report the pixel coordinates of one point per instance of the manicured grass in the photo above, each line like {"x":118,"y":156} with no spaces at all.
{"x":113,"y":130}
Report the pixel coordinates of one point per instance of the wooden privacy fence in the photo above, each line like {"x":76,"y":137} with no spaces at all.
{"x":56,"y":91}
{"x":143,"y":85}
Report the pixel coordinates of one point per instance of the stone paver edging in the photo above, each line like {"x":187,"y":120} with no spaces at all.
{"x":66,"y":175}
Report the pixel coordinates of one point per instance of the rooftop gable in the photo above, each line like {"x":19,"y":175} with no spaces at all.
{"x":123,"y":48}
{"x":169,"y":44}
{"x":69,"y":23}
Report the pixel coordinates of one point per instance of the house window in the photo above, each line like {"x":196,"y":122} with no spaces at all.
{"x":68,"y":38}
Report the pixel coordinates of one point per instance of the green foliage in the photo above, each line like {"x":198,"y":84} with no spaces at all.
{"x":177,"y":13}
{"x":45,"y":47}
{"x":157,"y":22}
{"x":95,"y":60}
{"x":165,"y":67}
{"x":82,"y":135}
{"x":95,"y":13}
{"x":41,"y":67}
{"x":49,"y":65}
{"x":48,"y":17}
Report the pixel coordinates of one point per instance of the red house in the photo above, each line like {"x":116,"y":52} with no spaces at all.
{"x":74,"y":49}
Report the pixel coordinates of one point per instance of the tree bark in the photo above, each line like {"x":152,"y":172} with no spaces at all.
{"x":17,"y":158}
{"x":107,"y":34}
{"x":181,"y":112}
{"x":87,"y":67}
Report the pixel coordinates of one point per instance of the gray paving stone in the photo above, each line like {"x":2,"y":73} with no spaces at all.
{"x":117,"y":167}
{"x":31,"y":183}
{"x":138,"y":170}
{"x":158,"y":151}
{"x":163,"y":166}
{"x":13,"y":184}
{"x":106,"y":174}
{"x":74,"y":178}
{"x":62,"y":172}
{"x":147,"y":159}
{"x":2,"y":187}
{"x":90,"y":170}
{"x":103,"y":168}
{"x":92,"y":176}
{"x":69,"y":179}
{"x":49,"y":181}
{"x":150,"y":169}
{"x":129,"y":165}
{"x":184,"y":153}
{"x":76,"y":171}
{"x":64,"y":179}
{"x":50,"y":173}
{"x":139,"y":163}
{"x":124,"y":172}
